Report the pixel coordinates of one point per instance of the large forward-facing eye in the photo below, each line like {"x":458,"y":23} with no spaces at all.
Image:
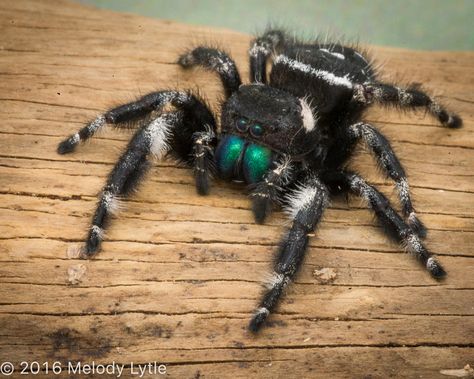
{"x":256,"y":130}
{"x":242,"y":125}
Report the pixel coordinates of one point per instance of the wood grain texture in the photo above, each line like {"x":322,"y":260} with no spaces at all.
{"x":180,"y":274}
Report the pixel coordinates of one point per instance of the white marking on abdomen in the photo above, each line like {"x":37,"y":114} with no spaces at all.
{"x":320,"y":74}
{"x":360,"y":56}
{"x":337,"y":55}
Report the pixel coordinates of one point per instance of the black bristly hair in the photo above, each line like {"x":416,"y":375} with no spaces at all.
{"x":287,"y":134}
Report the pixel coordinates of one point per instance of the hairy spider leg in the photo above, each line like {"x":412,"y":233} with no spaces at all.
{"x":388,"y":160}
{"x":195,"y":139}
{"x":117,"y":116}
{"x":193,"y":143}
{"x":404,"y":97}
{"x":151,"y":138}
{"x":189,"y":134}
{"x":133,"y":111}
{"x":391,"y":221}
{"x":214,"y":60}
{"x":260,"y":50}
{"x":267,"y":192}
{"x":306,"y":205}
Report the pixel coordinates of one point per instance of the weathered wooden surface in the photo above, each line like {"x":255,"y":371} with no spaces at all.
{"x":180,"y":274}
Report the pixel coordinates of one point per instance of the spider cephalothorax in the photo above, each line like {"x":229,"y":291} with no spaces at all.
{"x":288,"y":136}
{"x":271,"y":117}
{"x":259,"y":123}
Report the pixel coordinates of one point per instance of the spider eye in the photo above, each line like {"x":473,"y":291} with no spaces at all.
{"x":256,"y":130}
{"x":242,"y":125}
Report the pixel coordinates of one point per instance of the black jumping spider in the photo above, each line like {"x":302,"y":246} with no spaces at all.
{"x":288,"y":136}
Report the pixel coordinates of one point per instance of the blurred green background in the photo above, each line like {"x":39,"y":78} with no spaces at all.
{"x":417,"y":24}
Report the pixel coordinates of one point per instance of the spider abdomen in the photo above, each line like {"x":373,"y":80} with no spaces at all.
{"x":239,"y":159}
{"x":324,"y":73}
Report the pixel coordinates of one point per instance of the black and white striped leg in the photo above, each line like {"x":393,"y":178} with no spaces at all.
{"x":392,"y":222}
{"x":267,"y":192}
{"x":134,"y":111}
{"x":260,"y":50}
{"x":306,"y":205}
{"x":389,"y":162}
{"x":121,"y":114}
{"x":69,"y":144}
{"x":410,"y":98}
{"x":118,"y":115}
{"x":214,"y":60}
{"x":153,"y":138}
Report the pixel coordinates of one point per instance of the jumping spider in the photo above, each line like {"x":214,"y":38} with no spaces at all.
{"x":288,"y":136}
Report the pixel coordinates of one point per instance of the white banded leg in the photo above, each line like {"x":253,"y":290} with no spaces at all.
{"x":136,"y":110}
{"x":404,"y":97}
{"x":392,"y":223}
{"x":152,"y":139}
{"x":115,"y":116}
{"x":214,"y":60}
{"x":306,"y":205}
{"x":387,"y":159}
